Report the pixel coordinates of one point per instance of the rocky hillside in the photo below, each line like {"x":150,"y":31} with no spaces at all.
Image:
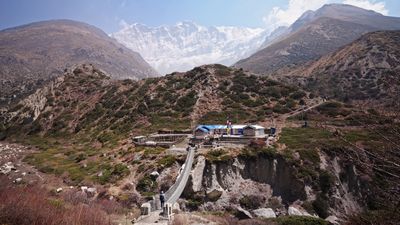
{"x":336,"y":167}
{"x":85,"y":99}
{"x":82,"y":121}
{"x":366,"y":70}
{"x":316,"y":34}
{"x":32,"y":54}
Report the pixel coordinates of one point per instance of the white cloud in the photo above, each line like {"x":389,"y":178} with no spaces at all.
{"x":371,"y":5}
{"x":284,"y":17}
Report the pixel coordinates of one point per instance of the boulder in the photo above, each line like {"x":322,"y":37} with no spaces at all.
{"x":333,"y":220}
{"x":265,"y":213}
{"x":18,"y":180}
{"x":83,"y":189}
{"x":242,"y":214}
{"x":6,"y":168}
{"x":293,"y":211}
{"x":214,"y":195}
{"x":91,"y":192}
{"x":154,"y":174}
{"x":58,"y":190}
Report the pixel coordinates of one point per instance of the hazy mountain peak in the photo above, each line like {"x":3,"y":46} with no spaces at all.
{"x":182,"y":46}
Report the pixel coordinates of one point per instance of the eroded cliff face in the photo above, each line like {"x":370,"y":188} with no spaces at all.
{"x":274,"y":172}
{"x":221,"y":185}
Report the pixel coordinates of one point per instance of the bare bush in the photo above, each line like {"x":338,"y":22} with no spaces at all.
{"x":33,"y":206}
{"x":180,"y":219}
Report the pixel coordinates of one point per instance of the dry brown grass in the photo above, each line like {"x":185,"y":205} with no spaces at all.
{"x":180,"y":219}
{"x":33,"y":206}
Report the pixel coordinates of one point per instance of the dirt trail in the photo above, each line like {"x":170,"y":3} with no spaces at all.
{"x":281,"y":121}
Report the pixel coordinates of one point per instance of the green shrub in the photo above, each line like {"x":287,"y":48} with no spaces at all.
{"x":193,"y":204}
{"x":325,"y":181}
{"x":290,"y":103}
{"x":320,"y":205}
{"x":217,"y":155}
{"x":236,"y":88}
{"x":150,"y":151}
{"x":273,"y":92}
{"x":111,"y":174}
{"x":146,"y":184}
{"x":251,"y":201}
{"x":246,"y":81}
{"x":106,"y":137}
{"x":187,"y":101}
{"x":278,"y":108}
{"x":80,"y":157}
{"x":298,"y":94}
{"x":120,"y":170}
{"x":166,"y":161}
{"x":333,"y":109}
{"x":310,"y":155}
{"x":222,"y":70}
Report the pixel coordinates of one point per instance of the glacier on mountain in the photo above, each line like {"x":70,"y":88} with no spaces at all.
{"x":185,"y":45}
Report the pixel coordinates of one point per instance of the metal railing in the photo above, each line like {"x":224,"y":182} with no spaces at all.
{"x":175,"y":191}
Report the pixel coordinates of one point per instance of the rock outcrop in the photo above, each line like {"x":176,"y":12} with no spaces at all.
{"x":264,"y":213}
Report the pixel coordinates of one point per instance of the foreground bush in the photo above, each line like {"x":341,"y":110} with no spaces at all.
{"x":32,"y":206}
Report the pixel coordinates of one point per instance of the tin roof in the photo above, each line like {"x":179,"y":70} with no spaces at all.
{"x":235,"y":126}
{"x":257,"y":127}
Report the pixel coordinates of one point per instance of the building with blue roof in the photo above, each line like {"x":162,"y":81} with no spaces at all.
{"x":203,"y":131}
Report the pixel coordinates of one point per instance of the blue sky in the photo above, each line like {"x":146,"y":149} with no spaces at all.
{"x":109,"y":15}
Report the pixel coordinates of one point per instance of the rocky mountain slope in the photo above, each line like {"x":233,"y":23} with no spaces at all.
{"x":337,"y":167}
{"x":32,"y":54}
{"x":186,"y":45}
{"x":316,"y":34}
{"x":86,"y":98}
{"x":366,"y":70}
{"x":82,"y":121}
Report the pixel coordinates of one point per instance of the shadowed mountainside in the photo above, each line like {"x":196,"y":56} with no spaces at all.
{"x":316,"y":34}
{"x":32,"y":54}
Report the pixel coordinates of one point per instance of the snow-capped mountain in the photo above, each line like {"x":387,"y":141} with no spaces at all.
{"x":186,"y":45}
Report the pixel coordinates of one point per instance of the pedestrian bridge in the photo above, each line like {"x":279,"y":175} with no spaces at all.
{"x":152,"y":209}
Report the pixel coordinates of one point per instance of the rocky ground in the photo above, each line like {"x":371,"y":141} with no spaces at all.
{"x":14,"y":168}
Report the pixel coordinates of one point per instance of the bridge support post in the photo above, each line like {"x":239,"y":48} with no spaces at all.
{"x":145,"y":208}
{"x":167,"y":210}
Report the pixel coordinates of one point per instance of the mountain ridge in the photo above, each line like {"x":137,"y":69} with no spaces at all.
{"x":363,"y":71}
{"x":347,"y":23}
{"x":186,"y":45}
{"x":34,"y":53}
